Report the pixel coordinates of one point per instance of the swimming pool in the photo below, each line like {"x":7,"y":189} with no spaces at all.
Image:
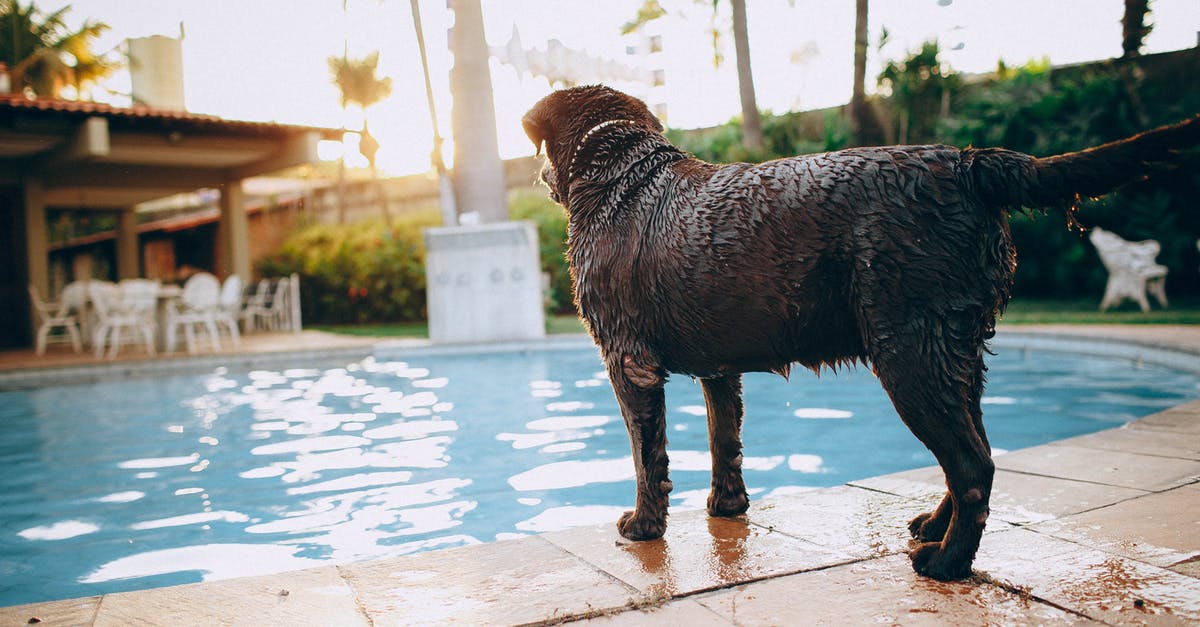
{"x":136,"y":484}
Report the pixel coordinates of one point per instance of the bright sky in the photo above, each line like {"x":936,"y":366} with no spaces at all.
{"x":266,"y":59}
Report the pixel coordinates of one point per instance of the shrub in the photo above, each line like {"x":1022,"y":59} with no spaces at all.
{"x":551,"y":222}
{"x":1044,"y":111}
{"x":359,"y":272}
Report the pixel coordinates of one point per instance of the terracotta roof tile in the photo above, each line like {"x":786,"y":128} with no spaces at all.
{"x":15,"y":101}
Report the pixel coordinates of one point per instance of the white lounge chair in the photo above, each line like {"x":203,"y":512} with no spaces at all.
{"x":1132,"y":270}
{"x":51,"y":316}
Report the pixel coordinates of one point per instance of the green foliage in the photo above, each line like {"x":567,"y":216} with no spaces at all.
{"x":920,"y":87}
{"x":1041,"y":111}
{"x":784,"y":135}
{"x":368,"y":272}
{"x":649,"y":11}
{"x":1038,"y":110}
{"x":551,"y":223}
{"x":359,"y":272}
{"x":356,"y":80}
{"x":43,"y":55}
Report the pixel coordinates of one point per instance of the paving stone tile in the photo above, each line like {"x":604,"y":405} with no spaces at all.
{"x":80,"y":611}
{"x":1161,"y":529}
{"x":317,"y":596}
{"x":1017,"y":498}
{"x":1116,"y":468}
{"x":697,"y":553}
{"x":925,"y":483}
{"x":1089,"y":582}
{"x":882,"y":591}
{"x":846,"y":519}
{"x":1184,"y":419}
{"x":1144,"y":441}
{"x":683,"y":612}
{"x":508,"y":582}
{"x":1191,"y":568}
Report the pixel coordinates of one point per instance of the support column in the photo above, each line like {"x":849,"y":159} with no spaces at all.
{"x":234,"y":232}
{"x":36,"y":249}
{"x":478,"y":172}
{"x":128,"y":257}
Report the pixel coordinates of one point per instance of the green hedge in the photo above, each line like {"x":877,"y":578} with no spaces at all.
{"x":367,"y":272}
{"x":358,"y":272}
{"x":1042,"y":111}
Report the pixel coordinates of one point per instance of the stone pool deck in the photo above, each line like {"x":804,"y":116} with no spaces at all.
{"x":1101,"y":528}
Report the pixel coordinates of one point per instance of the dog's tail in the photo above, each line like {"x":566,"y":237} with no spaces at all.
{"x":1006,"y":179}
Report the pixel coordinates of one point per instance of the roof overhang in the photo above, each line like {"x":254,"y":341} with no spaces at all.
{"x":95,"y":156}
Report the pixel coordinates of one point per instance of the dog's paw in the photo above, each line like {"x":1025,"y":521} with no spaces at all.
{"x":729,"y":504}
{"x":927,"y":527}
{"x":931,"y":561}
{"x":635,"y":527}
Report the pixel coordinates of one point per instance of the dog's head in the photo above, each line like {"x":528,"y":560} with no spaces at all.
{"x":561,"y":120}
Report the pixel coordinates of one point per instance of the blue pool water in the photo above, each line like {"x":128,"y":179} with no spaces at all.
{"x":127,"y":485}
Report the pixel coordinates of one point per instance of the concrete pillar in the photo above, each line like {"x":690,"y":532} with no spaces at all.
{"x":128,"y":257}
{"x":478,"y":172}
{"x":233,"y":231}
{"x":36,"y":250}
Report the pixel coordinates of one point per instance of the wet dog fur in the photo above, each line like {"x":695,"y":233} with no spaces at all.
{"x":895,"y":257}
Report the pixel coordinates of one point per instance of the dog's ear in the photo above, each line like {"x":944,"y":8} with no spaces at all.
{"x":536,"y":132}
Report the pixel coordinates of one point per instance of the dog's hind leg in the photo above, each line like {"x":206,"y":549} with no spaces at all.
{"x":931,"y":381}
{"x":931,"y":526}
{"x":643,"y":409}
{"x":723,"y":396}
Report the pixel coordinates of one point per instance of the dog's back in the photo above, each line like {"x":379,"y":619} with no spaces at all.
{"x":753,"y":267}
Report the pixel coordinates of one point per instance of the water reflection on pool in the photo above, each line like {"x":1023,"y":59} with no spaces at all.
{"x":117,"y":486}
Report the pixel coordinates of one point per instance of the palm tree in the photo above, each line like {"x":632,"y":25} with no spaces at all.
{"x":1133,"y":27}
{"x":359,"y":85}
{"x":1134,"y":30}
{"x":43,"y":55}
{"x":858,"y":98}
{"x":752,"y":135}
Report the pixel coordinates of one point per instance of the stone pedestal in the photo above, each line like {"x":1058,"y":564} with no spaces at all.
{"x":484,"y":283}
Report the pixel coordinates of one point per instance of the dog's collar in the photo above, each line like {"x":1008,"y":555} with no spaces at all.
{"x":588,"y":135}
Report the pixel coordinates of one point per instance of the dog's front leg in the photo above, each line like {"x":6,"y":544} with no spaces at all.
{"x":644,"y":413}
{"x":723,"y":397}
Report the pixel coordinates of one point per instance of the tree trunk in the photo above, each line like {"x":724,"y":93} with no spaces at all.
{"x":752,"y":135}
{"x":858,"y":98}
{"x":1133,"y":27}
{"x":369,"y":147}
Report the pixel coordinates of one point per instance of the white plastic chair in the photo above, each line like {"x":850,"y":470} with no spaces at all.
{"x":51,"y":316}
{"x":271,"y":312}
{"x":253,"y":301}
{"x":229,"y":306}
{"x":196,"y":306}
{"x":129,"y":306}
{"x":1132,"y":270}
{"x":76,"y":299}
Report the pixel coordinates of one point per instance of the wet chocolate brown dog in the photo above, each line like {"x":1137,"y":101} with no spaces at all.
{"x":896,"y":257}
